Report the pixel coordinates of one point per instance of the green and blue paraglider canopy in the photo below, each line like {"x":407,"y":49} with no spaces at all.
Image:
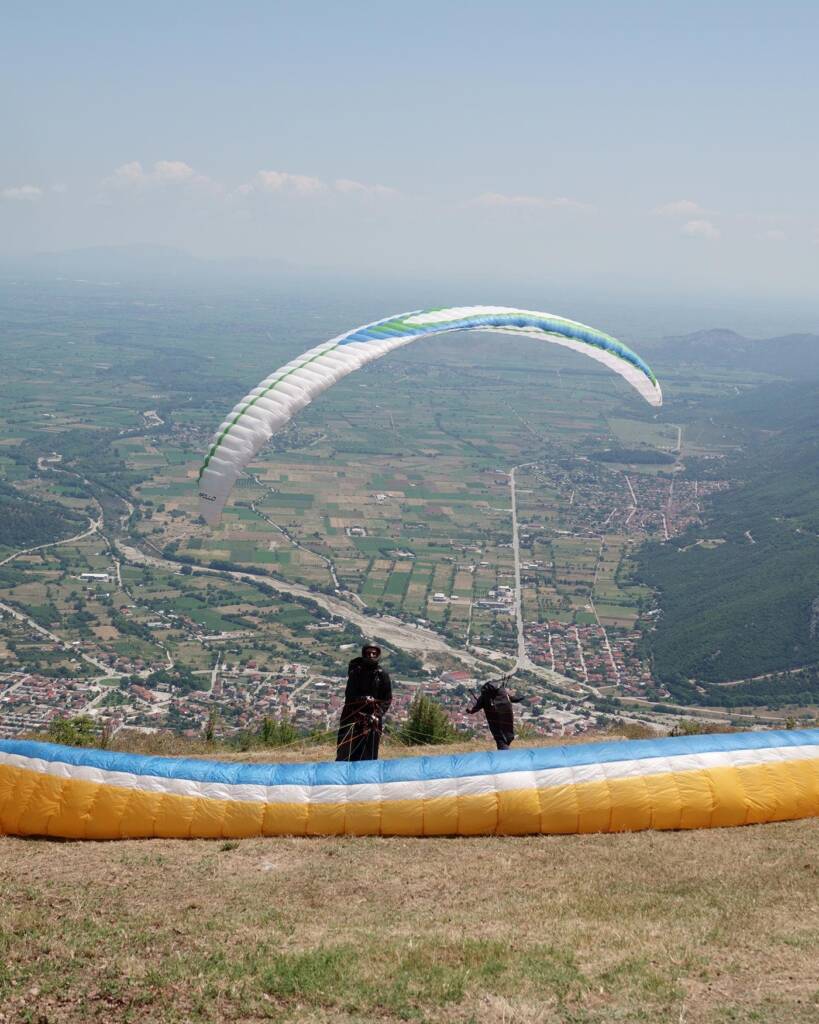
{"x":273,"y":402}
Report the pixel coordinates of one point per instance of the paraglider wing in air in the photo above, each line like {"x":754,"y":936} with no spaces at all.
{"x":274,"y":401}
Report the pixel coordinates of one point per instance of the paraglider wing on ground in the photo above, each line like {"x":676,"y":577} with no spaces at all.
{"x":703,"y":781}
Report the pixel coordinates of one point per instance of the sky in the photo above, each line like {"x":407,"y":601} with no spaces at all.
{"x":668,"y":146}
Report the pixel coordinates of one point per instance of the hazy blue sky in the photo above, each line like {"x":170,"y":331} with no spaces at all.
{"x":656,"y":143}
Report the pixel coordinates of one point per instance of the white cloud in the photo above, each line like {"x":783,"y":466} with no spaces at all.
{"x":163,"y":172}
{"x":305,"y":185}
{"x":127,"y":174}
{"x":173,"y":171}
{"x":499,"y":199}
{"x":22,"y":193}
{"x":178,"y":174}
{"x":281,"y":181}
{"x":680,"y":208}
{"x":773,"y":235}
{"x":700,"y":229}
{"x":351,"y":187}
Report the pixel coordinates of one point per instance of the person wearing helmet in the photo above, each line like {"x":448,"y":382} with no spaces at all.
{"x":496,"y":703}
{"x":366,"y":700}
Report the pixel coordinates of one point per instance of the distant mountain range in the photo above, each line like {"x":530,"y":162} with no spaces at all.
{"x":792,"y":355}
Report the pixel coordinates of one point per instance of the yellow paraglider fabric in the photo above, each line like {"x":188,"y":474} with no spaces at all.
{"x":681,"y":783}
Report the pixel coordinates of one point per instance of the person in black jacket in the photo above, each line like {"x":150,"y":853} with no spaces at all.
{"x":496,"y":703}
{"x":366,"y":699}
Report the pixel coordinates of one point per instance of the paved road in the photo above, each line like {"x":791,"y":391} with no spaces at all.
{"x":105,"y":669}
{"x":523,"y":658}
{"x":94,"y":526}
{"x":524,"y":663}
{"x":285,"y":533}
{"x":698,"y":712}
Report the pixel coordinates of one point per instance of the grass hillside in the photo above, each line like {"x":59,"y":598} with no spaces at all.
{"x":659,"y":927}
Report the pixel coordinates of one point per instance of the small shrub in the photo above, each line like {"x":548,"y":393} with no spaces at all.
{"x":427,"y":723}
{"x":692,"y":727}
{"x":75,"y":732}
{"x":633,"y":731}
{"x":210,"y":727}
{"x":277,"y":732}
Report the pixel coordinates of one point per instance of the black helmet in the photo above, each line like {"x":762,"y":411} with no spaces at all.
{"x":370,"y":647}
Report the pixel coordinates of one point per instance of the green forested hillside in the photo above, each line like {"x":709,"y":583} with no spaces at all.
{"x":26,"y":522}
{"x":780,"y":690}
{"x":747,"y":606}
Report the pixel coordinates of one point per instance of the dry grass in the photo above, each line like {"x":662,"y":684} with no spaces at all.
{"x":169,"y":744}
{"x":713,"y":926}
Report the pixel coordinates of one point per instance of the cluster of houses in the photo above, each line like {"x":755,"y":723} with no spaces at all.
{"x":241,"y":697}
{"x":590,"y":653}
{"x":29,"y":702}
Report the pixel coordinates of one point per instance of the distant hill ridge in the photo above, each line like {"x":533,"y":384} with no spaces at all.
{"x":788,"y":355}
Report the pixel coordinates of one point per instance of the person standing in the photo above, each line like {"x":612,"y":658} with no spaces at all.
{"x":366,"y":699}
{"x":496,"y":703}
